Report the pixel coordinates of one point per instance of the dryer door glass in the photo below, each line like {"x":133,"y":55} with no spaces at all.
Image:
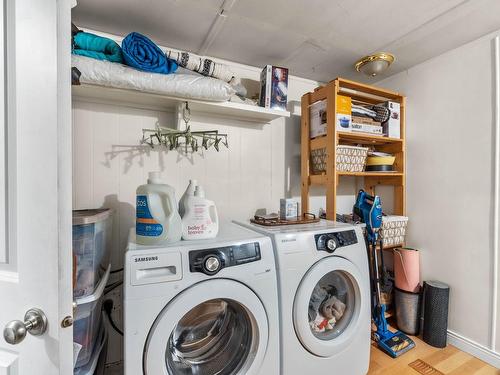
{"x":332,"y":305}
{"x":215,"y":337}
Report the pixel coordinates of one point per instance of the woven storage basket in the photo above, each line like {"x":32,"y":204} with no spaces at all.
{"x":393,"y":230}
{"x":349,"y":159}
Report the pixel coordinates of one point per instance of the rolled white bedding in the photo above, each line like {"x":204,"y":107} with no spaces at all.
{"x":187,"y":86}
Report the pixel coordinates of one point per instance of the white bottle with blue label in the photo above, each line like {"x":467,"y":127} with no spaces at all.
{"x":157,"y":218}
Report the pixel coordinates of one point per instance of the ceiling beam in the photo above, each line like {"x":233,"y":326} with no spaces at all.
{"x":216,"y":26}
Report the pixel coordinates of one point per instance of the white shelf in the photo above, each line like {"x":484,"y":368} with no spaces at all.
{"x":144,"y":100}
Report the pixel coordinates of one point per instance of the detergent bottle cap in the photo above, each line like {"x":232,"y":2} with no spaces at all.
{"x":154,"y":178}
{"x":199,"y":192}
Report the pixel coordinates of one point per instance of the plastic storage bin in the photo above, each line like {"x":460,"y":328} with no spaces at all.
{"x":91,"y":248}
{"x":96,"y":360}
{"x":88,"y":321}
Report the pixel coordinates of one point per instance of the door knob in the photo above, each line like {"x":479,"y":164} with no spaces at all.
{"x":35,"y":322}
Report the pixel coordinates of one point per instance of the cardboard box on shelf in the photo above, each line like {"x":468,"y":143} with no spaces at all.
{"x":365,"y":120}
{"x":317,"y":119}
{"x":392,"y":127}
{"x":274,"y":87}
{"x":343,"y":120}
{"x":366,"y":128}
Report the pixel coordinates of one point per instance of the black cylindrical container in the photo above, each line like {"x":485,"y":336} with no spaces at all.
{"x":436,"y":300}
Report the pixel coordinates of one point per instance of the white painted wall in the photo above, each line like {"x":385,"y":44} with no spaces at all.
{"x":450,"y":134}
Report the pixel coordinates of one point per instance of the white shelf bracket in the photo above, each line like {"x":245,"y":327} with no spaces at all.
{"x":178,"y":119}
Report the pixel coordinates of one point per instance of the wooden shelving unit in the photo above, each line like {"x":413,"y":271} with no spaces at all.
{"x":331,"y":178}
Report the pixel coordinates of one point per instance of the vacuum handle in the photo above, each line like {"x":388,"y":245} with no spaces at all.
{"x":382,"y":263}
{"x":368,"y":196}
{"x":378,"y":292}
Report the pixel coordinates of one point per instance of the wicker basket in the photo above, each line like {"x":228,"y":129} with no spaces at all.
{"x":393,"y":230}
{"x":349,"y":159}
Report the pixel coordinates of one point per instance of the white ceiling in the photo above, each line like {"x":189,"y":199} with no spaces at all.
{"x":317,"y":39}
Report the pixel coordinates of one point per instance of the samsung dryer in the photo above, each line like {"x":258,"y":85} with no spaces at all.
{"x":324,"y":286}
{"x":202,"y":307}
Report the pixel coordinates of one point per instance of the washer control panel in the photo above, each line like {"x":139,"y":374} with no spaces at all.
{"x":211,"y":261}
{"x":332,"y":241}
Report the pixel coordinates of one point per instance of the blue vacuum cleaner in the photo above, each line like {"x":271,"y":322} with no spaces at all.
{"x":368,"y":209}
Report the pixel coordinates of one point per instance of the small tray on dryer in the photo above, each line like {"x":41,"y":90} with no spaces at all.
{"x":306,"y":218}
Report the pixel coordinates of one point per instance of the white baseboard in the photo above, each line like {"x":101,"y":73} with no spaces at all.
{"x":473,"y":348}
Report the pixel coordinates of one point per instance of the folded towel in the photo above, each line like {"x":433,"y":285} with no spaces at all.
{"x":141,"y":53}
{"x":378,"y":113}
{"x":363,"y":111}
{"x":96,"y":47}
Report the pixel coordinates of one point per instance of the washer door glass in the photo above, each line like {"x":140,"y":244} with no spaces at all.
{"x":214,"y":337}
{"x":331,"y":305}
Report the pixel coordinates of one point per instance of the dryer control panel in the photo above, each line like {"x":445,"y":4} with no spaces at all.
{"x":332,"y":241}
{"x":211,"y":261}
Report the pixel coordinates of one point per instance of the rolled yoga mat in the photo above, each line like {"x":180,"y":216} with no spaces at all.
{"x":202,"y":65}
{"x":436,"y":301}
{"x":407,"y":269}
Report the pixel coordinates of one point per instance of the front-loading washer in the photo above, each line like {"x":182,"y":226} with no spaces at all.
{"x":324,"y":288}
{"x":202,"y":307}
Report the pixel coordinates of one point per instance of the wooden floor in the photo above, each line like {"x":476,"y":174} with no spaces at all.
{"x":449,"y":361}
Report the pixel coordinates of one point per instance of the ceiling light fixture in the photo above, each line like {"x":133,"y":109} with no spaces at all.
{"x":375,"y":64}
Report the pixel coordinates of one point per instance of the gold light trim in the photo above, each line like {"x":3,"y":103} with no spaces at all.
{"x":384,"y":56}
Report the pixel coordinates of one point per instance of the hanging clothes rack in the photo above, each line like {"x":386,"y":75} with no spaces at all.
{"x":187,"y":140}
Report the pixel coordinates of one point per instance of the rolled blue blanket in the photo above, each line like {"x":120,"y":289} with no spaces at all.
{"x":97,"y":47}
{"x":141,"y":53}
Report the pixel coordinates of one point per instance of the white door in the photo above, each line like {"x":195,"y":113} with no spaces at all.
{"x":35,"y":186}
{"x":327,"y":312}
{"x":214,"y":327}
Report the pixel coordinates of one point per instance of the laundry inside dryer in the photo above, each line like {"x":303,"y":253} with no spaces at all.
{"x":332,"y":305}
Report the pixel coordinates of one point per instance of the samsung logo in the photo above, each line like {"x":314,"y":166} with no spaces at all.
{"x":146,"y":259}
